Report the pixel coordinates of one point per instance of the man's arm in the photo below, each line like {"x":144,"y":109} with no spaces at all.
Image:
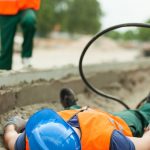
{"x":12,"y":130}
{"x":10,"y":136}
{"x":142,"y":143}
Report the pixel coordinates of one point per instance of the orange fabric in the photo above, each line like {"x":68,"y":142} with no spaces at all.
{"x":97,"y":127}
{"x":25,"y":4}
{"x":12,"y":7}
{"x":67,"y":114}
{"x":27,"y":144}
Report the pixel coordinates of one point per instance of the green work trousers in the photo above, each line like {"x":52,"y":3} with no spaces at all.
{"x":8,"y":27}
{"x":73,"y":107}
{"x":137,"y":119}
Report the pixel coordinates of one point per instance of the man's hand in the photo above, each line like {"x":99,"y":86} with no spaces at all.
{"x":142,"y":143}
{"x":18,"y":122}
{"x":147,"y":128}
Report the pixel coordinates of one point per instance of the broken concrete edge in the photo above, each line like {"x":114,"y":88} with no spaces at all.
{"x":35,"y":93}
{"x":11,"y":78}
{"x":40,"y":86}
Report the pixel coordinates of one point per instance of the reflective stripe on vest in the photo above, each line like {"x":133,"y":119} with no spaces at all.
{"x":97,"y":127}
{"x":11,"y":7}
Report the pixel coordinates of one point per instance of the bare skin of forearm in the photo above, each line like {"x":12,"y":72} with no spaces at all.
{"x":142,"y":143}
{"x":10,"y":137}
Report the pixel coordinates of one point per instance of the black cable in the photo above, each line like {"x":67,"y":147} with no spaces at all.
{"x":146,"y":99}
{"x":95,"y":90}
{"x":141,"y":102}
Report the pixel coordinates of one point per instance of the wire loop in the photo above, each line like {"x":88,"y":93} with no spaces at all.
{"x":92,"y":88}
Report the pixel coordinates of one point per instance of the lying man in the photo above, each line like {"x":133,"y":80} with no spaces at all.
{"x":80,"y":129}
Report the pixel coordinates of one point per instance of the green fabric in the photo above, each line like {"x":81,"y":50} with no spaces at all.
{"x":8,"y":27}
{"x":73,"y":107}
{"x":137,"y":119}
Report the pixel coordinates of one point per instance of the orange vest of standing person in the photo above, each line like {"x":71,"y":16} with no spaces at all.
{"x":12,"y":7}
{"x":96,"y":128}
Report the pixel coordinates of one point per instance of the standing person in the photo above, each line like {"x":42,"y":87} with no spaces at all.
{"x":68,"y":99}
{"x":82,"y":129}
{"x":12,"y":13}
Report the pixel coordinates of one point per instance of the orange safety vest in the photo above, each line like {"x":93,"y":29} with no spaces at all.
{"x":27,"y":147}
{"x":96,"y":128}
{"x":12,"y":7}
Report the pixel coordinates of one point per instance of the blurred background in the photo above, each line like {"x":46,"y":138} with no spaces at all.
{"x":64,"y":28}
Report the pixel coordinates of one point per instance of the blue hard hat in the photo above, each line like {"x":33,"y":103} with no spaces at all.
{"x":46,"y":130}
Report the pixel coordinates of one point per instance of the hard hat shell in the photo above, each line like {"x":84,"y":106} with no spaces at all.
{"x":46,"y":130}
